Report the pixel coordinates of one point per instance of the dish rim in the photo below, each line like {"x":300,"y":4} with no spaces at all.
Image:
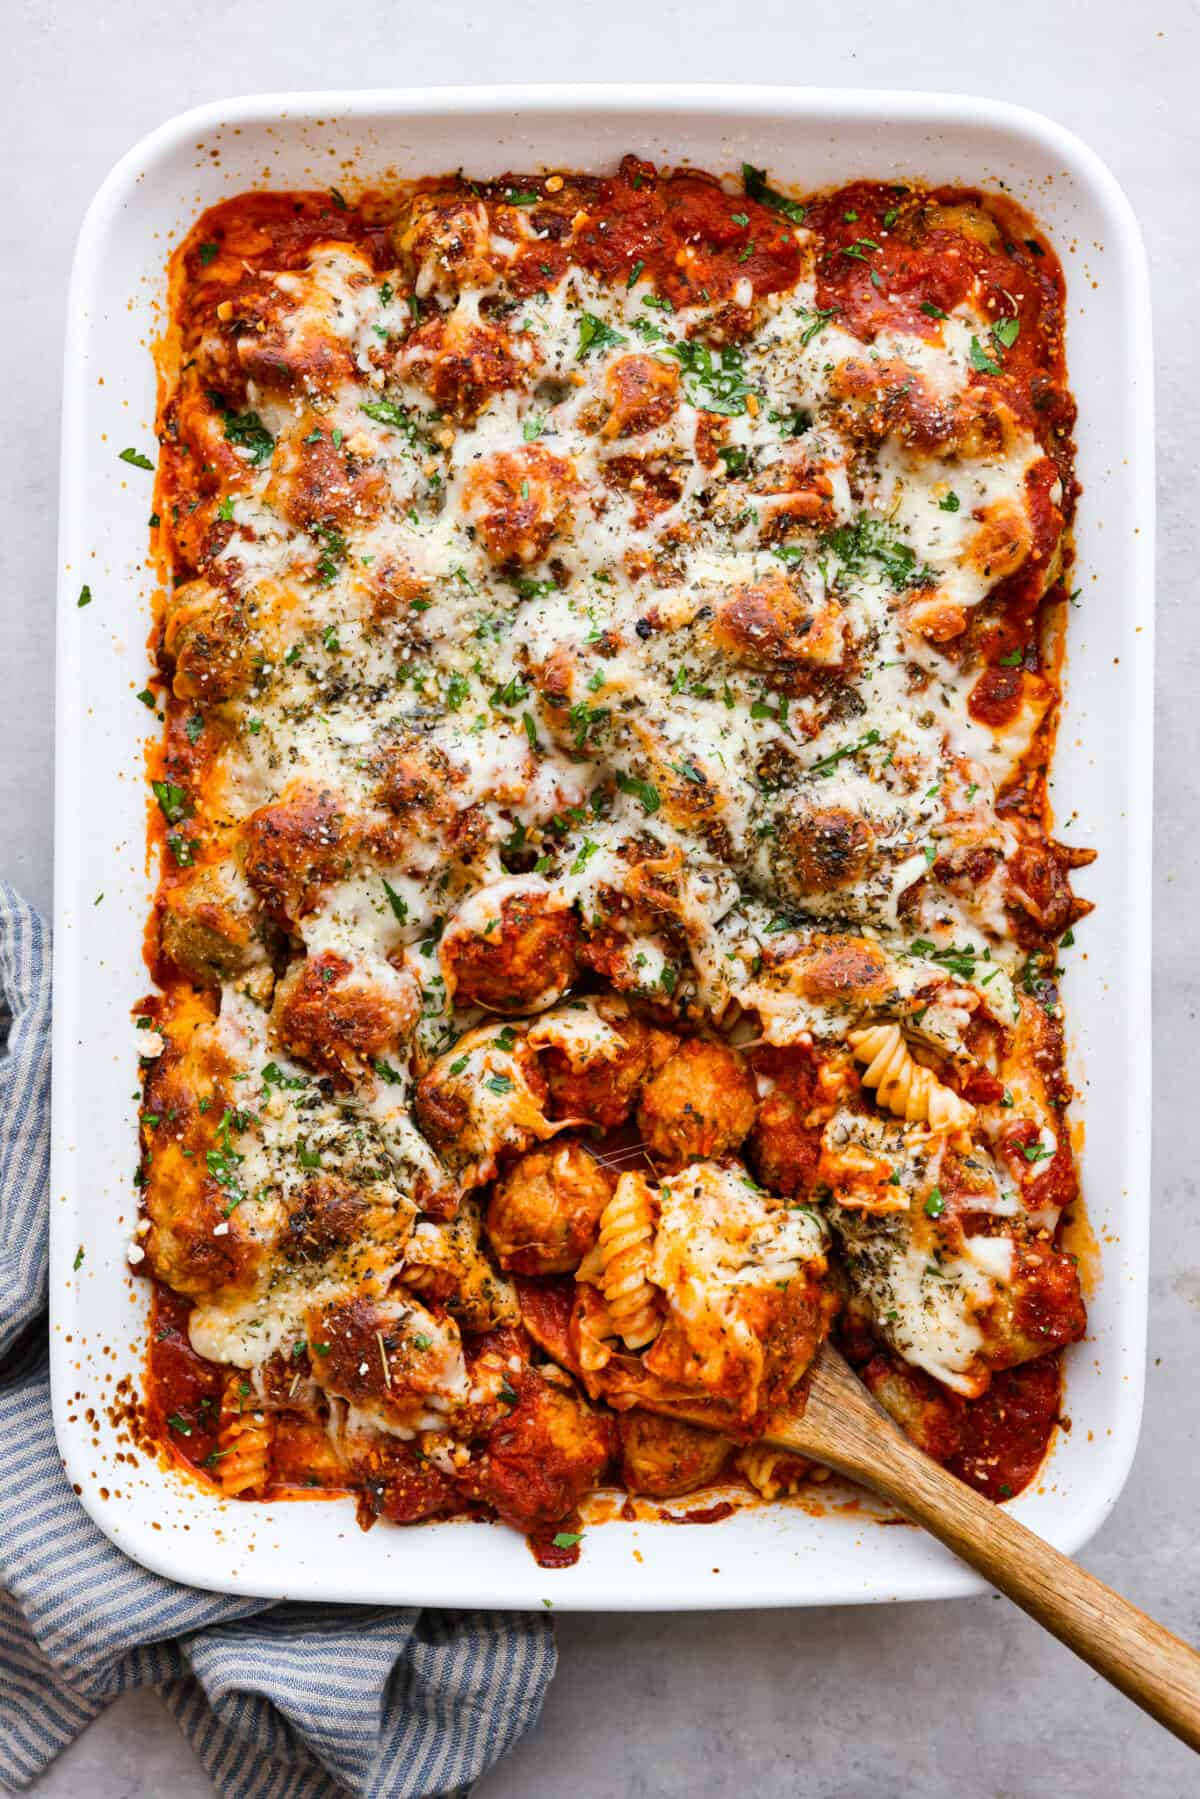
{"x":841,"y":108}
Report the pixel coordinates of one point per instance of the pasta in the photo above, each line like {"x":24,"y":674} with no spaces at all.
{"x":772,"y":1472}
{"x":623,"y":1259}
{"x":608,"y":923}
{"x":243,"y":1443}
{"x":901,"y":1084}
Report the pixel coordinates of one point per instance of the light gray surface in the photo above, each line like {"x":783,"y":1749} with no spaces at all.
{"x":965,"y":1698}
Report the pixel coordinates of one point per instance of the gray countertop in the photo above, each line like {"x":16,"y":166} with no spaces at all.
{"x":958,"y":1698}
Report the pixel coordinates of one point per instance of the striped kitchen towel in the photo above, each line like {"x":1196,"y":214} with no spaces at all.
{"x":278,"y":1701}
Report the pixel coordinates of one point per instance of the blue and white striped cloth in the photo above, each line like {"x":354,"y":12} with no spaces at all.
{"x":278,"y":1701}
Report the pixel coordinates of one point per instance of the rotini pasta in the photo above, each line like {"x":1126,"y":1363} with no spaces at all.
{"x":902,"y":1085}
{"x":772,"y":1472}
{"x":626,"y":1236}
{"x":244,"y":1441}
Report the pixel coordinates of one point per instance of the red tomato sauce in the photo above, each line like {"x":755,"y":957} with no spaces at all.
{"x":1006,"y":1433}
{"x":184,"y":1391}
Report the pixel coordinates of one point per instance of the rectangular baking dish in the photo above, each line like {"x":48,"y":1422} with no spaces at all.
{"x":782,"y":1555}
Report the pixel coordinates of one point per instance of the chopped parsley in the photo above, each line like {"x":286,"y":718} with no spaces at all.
{"x":172,"y":800}
{"x":717,"y":383}
{"x":136,"y":459}
{"x":246,"y":431}
{"x":825,"y":765}
{"x":645,"y":791}
{"x":386,"y":412}
{"x":594,"y":334}
{"x":755,"y":183}
{"x":397,"y":902}
{"x":981,"y":362}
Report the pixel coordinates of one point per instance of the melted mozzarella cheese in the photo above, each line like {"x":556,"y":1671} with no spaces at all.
{"x":585,"y":700}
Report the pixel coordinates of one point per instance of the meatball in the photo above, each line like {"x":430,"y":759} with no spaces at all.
{"x":785,"y":1146}
{"x":294,"y":848}
{"x":522,"y":961}
{"x":338,"y":1017}
{"x":922,"y":1409}
{"x":544,"y":1214}
{"x":208,"y":640}
{"x":321,"y":488}
{"x":398,"y":1482}
{"x":390,"y":1358}
{"x":602,"y":1089}
{"x":664,"y":1457}
{"x":210,"y":929}
{"x":699,"y":1106}
{"x":825,"y":849}
{"x":643,"y":394}
{"x":771,"y":626}
{"x":200,"y":1241}
{"x":446,"y":242}
{"x":485,"y":1094}
{"x":519,"y":501}
{"x":461,"y":365}
{"x":543,"y":1458}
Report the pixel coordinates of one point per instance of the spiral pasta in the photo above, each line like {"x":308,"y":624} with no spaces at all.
{"x":772,"y":1471}
{"x":243,"y":1441}
{"x":902,"y":1085}
{"x":623,"y":1260}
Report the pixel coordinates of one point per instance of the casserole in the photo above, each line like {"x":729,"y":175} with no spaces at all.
{"x":313,"y":1550}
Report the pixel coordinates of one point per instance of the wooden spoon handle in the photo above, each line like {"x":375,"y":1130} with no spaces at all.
{"x":1152,"y":1667}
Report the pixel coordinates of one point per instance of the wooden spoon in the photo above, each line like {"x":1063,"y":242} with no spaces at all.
{"x":843,"y":1427}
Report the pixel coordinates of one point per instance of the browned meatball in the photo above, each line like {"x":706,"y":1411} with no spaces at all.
{"x":922,"y":1409}
{"x":699,"y":1105}
{"x":210,"y":929}
{"x":543,"y":1216}
{"x":296,"y":847}
{"x":319,"y":487}
{"x":461,"y":365}
{"x":826,"y":849}
{"x":446,"y":243}
{"x":603,"y":1091}
{"x":643,"y":394}
{"x":519,"y":501}
{"x":541,"y":1459}
{"x":333,"y":1015}
{"x":523,"y":965}
{"x":209,"y":643}
{"x":664,"y":1457}
{"x":771,"y":626}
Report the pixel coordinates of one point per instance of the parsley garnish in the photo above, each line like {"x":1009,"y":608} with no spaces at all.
{"x":246,"y":431}
{"x":645,"y":791}
{"x":594,"y":334}
{"x":826,"y":764}
{"x":755,"y":183}
{"x":386,"y":412}
{"x":172,"y":800}
{"x":981,"y":362}
{"x":397,"y":902}
{"x":719,"y":383}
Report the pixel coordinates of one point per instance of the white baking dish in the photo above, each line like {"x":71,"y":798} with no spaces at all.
{"x":781,"y":1555}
